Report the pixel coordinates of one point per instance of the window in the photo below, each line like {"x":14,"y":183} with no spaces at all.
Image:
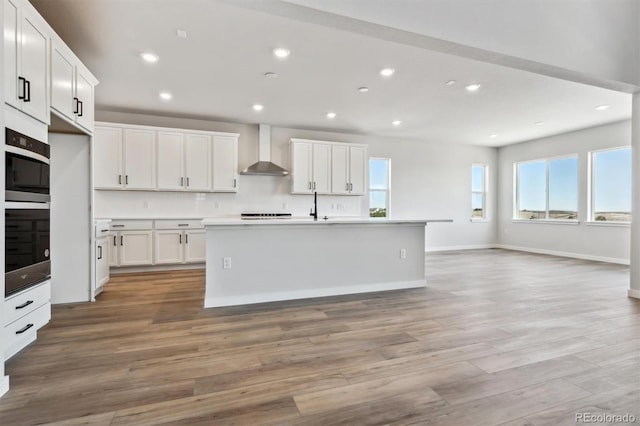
{"x":547,"y":189}
{"x":379,"y":184}
{"x":479,"y":191}
{"x":611,"y":185}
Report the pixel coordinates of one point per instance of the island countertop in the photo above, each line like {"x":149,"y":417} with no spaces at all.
{"x":234,"y":221}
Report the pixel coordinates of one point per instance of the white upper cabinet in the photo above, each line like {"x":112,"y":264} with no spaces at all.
{"x":157,"y":158}
{"x":225,"y":163}
{"x":328,"y":167}
{"x":25,"y":54}
{"x":170,"y":162}
{"x":197,"y":162}
{"x":139,"y":159}
{"x":107,"y":157}
{"x":72,"y":87}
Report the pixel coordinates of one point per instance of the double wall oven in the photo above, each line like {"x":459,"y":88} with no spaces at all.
{"x":27,"y":213}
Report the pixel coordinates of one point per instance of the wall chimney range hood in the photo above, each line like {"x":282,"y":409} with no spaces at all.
{"x":264,"y":166}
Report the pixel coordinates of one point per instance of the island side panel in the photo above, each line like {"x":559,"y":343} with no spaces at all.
{"x":283,"y":262}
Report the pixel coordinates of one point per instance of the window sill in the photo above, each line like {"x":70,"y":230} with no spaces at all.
{"x":547,"y":221}
{"x":609,"y":224}
{"x":478,"y":220}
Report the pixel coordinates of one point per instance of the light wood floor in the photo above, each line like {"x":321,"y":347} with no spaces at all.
{"x":498,"y":337}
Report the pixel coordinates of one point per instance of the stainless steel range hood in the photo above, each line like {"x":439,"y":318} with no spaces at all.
{"x":264,"y":166}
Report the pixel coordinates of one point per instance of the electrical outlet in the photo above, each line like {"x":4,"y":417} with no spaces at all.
{"x":284,"y":206}
{"x":146,"y":204}
{"x":216,"y":205}
{"x":403,"y":253}
{"x":226,"y":263}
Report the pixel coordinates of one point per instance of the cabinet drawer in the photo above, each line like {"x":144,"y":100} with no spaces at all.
{"x":131,"y":225}
{"x":20,"y":333}
{"x":102,"y":229}
{"x":179,"y":224}
{"x":23,"y":303}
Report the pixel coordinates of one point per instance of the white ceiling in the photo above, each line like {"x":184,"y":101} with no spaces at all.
{"x":217,"y":73}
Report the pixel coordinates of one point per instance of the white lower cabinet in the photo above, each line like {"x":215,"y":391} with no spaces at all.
{"x":102,"y":262}
{"x":24,"y":314}
{"x":133,"y":248}
{"x":176,"y":246}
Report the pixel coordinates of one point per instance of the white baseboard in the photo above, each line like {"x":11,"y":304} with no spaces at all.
{"x":565,"y":254}
{"x":455,"y":248}
{"x":154,"y":268}
{"x":634,"y":293}
{"x":4,"y":385}
{"x":215,"y":302}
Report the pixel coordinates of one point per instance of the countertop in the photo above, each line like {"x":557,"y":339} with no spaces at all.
{"x":234,"y":221}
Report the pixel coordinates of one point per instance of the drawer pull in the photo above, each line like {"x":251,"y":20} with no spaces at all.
{"x":105,"y":230}
{"x":183,"y":224}
{"x":25,"y":304}
{"x":25,"y":328}
{"x":117,"y":226}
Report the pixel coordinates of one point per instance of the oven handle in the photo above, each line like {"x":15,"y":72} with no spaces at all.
{"x":26,"y":153}
{"x":19,"y":205}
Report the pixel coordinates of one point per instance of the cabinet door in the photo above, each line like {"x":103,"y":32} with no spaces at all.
{"x":34,"y":65}
{"x":194,"y":248}
{"x":136,"y":248}
{"x":321,"y":168}
{"x":86,"y":100}
{"x":102,"y":262}
{"x":301,"y":167}
{"x":340,"y":169}
{"x":11,"y":51}
{"x":170,"y":174}
{"x":113,"y":249}
{"x":197,"y":160}
{"x":225,"y":163}
{"x":358,"y":169}
{"x":107,"y":166}
{"x":139,"y":159}
{"x":169,"y":247}
{"x":62,"y":83}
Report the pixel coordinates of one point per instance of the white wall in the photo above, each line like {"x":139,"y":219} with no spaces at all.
{"x":429,"y":181}
{"x":588,"y":241}
{"x":589,"y":37}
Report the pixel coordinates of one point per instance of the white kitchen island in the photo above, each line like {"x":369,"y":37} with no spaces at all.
{"x":253,"y":261}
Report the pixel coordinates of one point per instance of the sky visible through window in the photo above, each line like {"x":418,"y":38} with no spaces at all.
{"x":378,"y":187}
{"x":563,"y":185}
{"x":612,"y":180}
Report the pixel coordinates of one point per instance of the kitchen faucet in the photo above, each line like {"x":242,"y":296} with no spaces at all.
{"x":314,"y":210}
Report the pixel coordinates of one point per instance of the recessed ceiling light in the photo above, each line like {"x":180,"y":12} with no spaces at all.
{"x":149,"y":57}
{"x":450,"y":83}
{"x":257,"y":107}
{"x":493,"y":136}
{"x":363,"y":89}
{"x":281,"y":52}
{"x":602,"y":107}
{"x":331,"y":115}
{"x":165,"y":95}
{"x":271,"y":75}
{"x":181,"y":33}
{"x":396,"y":122}
{"x":472,"y":87}
{"x":539,"y":123}
{"x":387,"y":72}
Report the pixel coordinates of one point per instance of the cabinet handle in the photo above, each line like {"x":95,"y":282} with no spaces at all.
{"x":100,"y":251}
{"x":25,"y":328}
{"x":180,"y":238}
{"x":186,"y":238}
{"x":309,"y":185}
{"x":24,"y":87}
{"x":121,"y":240}
{"x":235,"y":183}
{"x":181,"y":181}
{"x":314,"y":186}
{"x":119,"y":179}
{"x":25,"y":304}
{"x":187,"y":181}
{"x":117,"y":226}
{"x":81,"y":109}
{"x":126,"y":179}
{"x":27,"y":95}
{"x":183,"y":224}
{"x":115,"y":239}
{"x":76,"y":106}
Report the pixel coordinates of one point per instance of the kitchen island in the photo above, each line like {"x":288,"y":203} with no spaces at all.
{"x":254,"y":261}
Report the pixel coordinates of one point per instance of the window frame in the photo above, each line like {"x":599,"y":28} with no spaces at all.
{"x":591,"y":203}
{"x":484,"y":192}
{"x":387,"y":191}
{"x":516,"y":192}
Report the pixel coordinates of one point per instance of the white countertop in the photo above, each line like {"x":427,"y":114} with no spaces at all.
{"x":228,"y":221}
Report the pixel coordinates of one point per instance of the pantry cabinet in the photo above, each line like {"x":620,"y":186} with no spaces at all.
{"x":25,"y":60}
